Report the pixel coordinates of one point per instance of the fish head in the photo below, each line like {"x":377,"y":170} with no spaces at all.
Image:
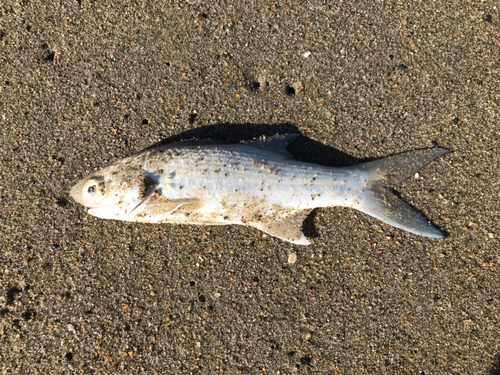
{"x":114,"y":192}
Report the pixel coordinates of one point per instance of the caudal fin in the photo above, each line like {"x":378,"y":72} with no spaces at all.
{"x":379,"y":202}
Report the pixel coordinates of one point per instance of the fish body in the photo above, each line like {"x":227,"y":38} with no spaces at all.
{"x":256,"y":184}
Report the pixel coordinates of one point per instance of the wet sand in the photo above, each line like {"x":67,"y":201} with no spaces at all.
{"x":83,"y":83}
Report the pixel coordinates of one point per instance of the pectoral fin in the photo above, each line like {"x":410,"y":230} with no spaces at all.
{"x":161,"y":208}
{"x":288,"y":229}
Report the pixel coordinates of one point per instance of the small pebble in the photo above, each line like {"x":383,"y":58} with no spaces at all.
{"x":292,"y":258}
{"x":307,"y":54}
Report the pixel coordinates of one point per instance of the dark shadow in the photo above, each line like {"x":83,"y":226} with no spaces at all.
{"x":306,"y":149}
{"x":308,"y":227}
{"x":495,"y":369}
{"x":227,"y":133}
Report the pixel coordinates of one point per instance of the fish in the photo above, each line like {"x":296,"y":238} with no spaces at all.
{"x":256,"y":183}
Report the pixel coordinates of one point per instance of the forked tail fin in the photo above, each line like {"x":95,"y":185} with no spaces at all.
{"x":379,"y":202}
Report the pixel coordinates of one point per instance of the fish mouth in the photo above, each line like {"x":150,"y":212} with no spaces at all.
{"x":104,"y":213}
{"x":96,"y":211}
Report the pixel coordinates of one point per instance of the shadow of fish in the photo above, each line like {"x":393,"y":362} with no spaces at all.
{"x":256,"y":184}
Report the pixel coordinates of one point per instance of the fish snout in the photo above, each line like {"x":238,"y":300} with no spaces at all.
{"x":76,"y":193}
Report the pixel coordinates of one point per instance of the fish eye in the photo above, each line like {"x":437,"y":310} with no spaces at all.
{"x":91,"y":189}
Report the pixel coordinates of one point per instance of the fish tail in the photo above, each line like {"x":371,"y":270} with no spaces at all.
{"x":378,"y":200}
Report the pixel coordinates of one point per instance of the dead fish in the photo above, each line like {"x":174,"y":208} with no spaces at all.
{"x":257,"y":184}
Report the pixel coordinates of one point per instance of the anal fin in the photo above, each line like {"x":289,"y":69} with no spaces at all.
{"x":288,"y":229}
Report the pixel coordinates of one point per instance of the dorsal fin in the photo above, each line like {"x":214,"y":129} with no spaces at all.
{"x":276,"y":143}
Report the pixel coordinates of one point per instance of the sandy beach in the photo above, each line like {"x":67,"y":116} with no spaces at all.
{"x":84,"y":83}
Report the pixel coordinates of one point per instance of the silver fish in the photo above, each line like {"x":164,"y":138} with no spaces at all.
{"x":256,"y":184}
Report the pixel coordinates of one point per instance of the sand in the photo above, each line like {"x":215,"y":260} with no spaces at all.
{"x":83,"y":83}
